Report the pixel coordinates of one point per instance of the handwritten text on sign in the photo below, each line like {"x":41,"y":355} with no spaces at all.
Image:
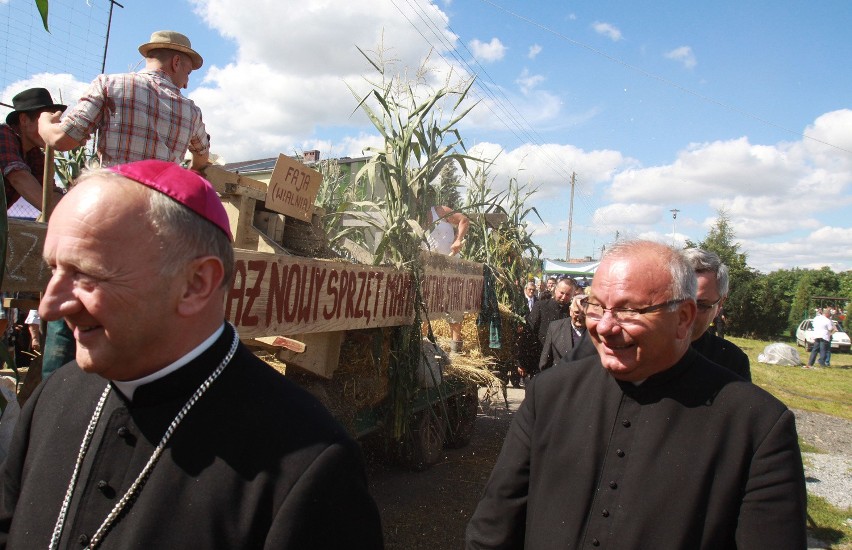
{"x":291,"y":295}
{"x":292,"y":188}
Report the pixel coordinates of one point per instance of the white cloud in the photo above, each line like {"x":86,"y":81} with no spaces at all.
{"x":528,"y":82}
{"x":548,"y":167}
{"x":800,"y":252}
{"x":606,"y":29}
{"x":619,"y":214}
{"x":282,"y":87}
{"x":535,"y":49}
{"x":488,"y":51}
{"x":683,"y":55}
{"x":63,"y":88}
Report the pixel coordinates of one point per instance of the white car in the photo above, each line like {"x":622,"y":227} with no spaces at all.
{"x":805,"y":337}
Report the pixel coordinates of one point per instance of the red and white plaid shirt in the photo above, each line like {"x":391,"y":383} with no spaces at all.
{"x":139,"y":116}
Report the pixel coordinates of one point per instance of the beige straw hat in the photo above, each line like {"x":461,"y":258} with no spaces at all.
{"x":172,"y":40}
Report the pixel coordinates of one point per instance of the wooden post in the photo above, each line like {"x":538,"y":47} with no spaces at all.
{"x":47,"y":185}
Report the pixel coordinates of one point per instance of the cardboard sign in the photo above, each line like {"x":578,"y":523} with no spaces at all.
{"x":293,"y":188}
{"x":274,"y":294}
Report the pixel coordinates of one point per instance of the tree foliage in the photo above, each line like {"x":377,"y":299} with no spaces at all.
{"x":448,"y":189}
{"x":508,"y":250}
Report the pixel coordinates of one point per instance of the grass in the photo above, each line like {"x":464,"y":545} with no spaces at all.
{"x":829,"y":524}
{"x":825,"y":390}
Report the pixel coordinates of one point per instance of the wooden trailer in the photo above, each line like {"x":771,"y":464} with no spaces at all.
{"x":313,"y":318}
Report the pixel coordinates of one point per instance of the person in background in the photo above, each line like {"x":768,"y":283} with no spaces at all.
{"x":448,"y":230}
{"x":167,"y":432}
{"x":563,"y":335}
{"x":140,"y":115}
{"x":21,"y":155}
{"x":547,"y":293}
{"x":712,"y":277}
{"x":542,"y":315}
{"x":646,"y":444}
{"x":529,"y":295}
{"x":823,"y":329}
{"x":137,"y":116}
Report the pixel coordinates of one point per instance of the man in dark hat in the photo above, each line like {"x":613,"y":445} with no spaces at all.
{"x":139,"y":115}
{"x":21,"y":157}
{"x":167,"y":432}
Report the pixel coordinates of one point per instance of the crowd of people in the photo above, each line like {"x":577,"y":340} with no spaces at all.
{"x":157,"y":428}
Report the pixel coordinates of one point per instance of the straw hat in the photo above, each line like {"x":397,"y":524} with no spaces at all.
{"x":171,"y":40}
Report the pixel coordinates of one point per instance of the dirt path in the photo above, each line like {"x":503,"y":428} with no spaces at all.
{"x":430,"y":510}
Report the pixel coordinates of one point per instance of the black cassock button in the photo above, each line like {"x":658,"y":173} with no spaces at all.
{"x":83,"y":540}
{"x":613,"y":485}
{"x":620,"y":453}
{"x":625,"y":423}
{"x":605,"y":513}
{"x":596,"y":542}
{"x":123,"y":431}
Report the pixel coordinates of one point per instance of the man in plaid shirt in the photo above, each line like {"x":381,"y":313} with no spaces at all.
{"x":139,"y":115}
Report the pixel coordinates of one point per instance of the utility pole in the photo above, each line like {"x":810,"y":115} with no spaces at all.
{"x":674,"y":212}
{"x":570,"y":218}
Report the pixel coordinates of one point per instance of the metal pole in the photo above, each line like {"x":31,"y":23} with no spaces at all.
{"x":109,"y":26}
{"x":674,"y":212}
{"x":570,"y":218}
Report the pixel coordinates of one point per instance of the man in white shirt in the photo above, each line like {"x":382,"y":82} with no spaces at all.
{"x":823,"y":328}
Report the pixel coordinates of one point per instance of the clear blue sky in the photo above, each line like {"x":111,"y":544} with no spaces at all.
{"x":655,"y":106}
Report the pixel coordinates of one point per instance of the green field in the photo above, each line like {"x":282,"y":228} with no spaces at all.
{"x":825,"y":390}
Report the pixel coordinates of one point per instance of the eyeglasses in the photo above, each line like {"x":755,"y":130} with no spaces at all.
{"x":707,"y":307}
{"x":595,"y":312}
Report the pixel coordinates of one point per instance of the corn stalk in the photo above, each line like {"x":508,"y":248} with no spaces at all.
{"x":509,"y":250}
{"x":417,"y":145}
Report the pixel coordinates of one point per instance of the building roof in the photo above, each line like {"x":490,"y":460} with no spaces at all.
{"x":268,"y":164}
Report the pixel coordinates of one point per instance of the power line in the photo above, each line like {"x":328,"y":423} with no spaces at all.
{"x":516,"y":123}
{"x":658,"y":78}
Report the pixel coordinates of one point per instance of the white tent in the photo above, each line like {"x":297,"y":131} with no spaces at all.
{"x":584,"y":269}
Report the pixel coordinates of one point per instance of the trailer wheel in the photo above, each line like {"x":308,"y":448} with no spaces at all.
{"x":425,"y":444}
{"x":461,"y":418}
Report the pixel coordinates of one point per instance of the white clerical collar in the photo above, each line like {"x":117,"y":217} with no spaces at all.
{"x":128,"y":387}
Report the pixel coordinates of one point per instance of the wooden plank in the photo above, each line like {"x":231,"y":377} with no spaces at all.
{"x":25,"y":268}
{"x":276,"y":343}
{"x":231,"y":183}
{"x":274,"y":294}
{"x":240,"y":210}
{"x":20,"y":303}
{"x":321,"y":354}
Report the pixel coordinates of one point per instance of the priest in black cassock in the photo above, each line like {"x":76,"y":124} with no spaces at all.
{"x":713,"y":287}
{"x":166,"y":432}
{"x":647,"y":444}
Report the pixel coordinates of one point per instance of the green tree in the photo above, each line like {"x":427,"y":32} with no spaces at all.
{"x":814,"y":282}
{"x":448,"y":189}
{"x":742,"y":314}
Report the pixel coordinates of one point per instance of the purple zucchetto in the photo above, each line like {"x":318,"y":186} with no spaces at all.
{"x":184,"y":186}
